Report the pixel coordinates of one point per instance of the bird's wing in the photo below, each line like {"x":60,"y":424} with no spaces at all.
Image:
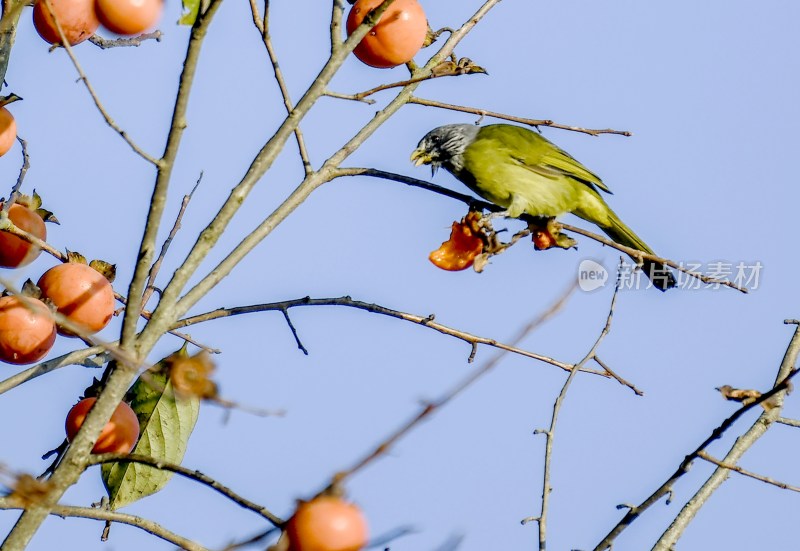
{"x":543,"y":157}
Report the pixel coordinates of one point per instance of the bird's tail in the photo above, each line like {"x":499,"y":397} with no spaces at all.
{"x":659,"y":274}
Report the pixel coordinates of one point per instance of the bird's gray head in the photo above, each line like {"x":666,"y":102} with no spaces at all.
{"x":444,"y":145}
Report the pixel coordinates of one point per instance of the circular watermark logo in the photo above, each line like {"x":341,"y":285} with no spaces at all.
{"x":591,"y":275}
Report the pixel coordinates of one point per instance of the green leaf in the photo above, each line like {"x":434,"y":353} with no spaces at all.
{"x":190,"y":10}
{"x":166,"y":422}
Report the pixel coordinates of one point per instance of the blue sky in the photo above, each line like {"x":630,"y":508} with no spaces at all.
{"x":709,"y":93}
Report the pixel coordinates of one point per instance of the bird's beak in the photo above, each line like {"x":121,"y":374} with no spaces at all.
{"x":420,"y":157}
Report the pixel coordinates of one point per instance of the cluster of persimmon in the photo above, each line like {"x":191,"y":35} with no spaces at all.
{"x":78,"y":20}
{"x":75,"y":290}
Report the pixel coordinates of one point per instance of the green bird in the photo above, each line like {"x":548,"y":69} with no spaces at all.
{"x":522,"y":171}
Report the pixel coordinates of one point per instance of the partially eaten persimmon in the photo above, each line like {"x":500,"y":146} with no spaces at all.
{"x":466,"y":242}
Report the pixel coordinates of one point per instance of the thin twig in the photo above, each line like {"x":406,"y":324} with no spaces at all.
{"x":617,"y":377}
{"x":149,"y":526}
{"x":550,"y":432}
{"x":745,"y":472}
{"x":431,"y":407}
{"x":788,"y":422}
{"x":154,"y":269}
{"x":522,"y":120}
{"x":109,"y":121}
{"x":449,"y":68}
{"x":26,"y":164}
{"x":426,"y":321}
{"x":351,"y":97}
{"x":197,"y":476}
{"x":263,"y":27}
{"x":133,"y":41}
{"x":258,"y":412}
{"x":285,"y":313}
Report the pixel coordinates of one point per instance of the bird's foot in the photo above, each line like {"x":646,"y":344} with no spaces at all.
{"x":546,"y":234}
{"x":494,"y":215}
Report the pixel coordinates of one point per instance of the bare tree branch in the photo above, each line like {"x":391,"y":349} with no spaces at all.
{"x":113,"y":516}
{"x":12,"y":10}
{"x":550,"y":432}
{"x":197,"y":476}
{"x":785,"y":373}
{"x":71,"y":358}
{"x":530,"y":122}
{"x":426,"y":321}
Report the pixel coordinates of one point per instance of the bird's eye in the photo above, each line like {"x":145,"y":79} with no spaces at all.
{"x":436,"y":139}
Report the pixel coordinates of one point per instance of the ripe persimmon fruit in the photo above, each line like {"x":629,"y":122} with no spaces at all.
{"x":77,"y":18}
{"x":327,"y":523}
{"x":129,"y":17}
{"x":15,"y":251}
{"x":8,"y":131}
{"x":118,"y":436}
{"x":27,"y":329}
{"x":80,"y":293}
{"x":398,"y":36}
